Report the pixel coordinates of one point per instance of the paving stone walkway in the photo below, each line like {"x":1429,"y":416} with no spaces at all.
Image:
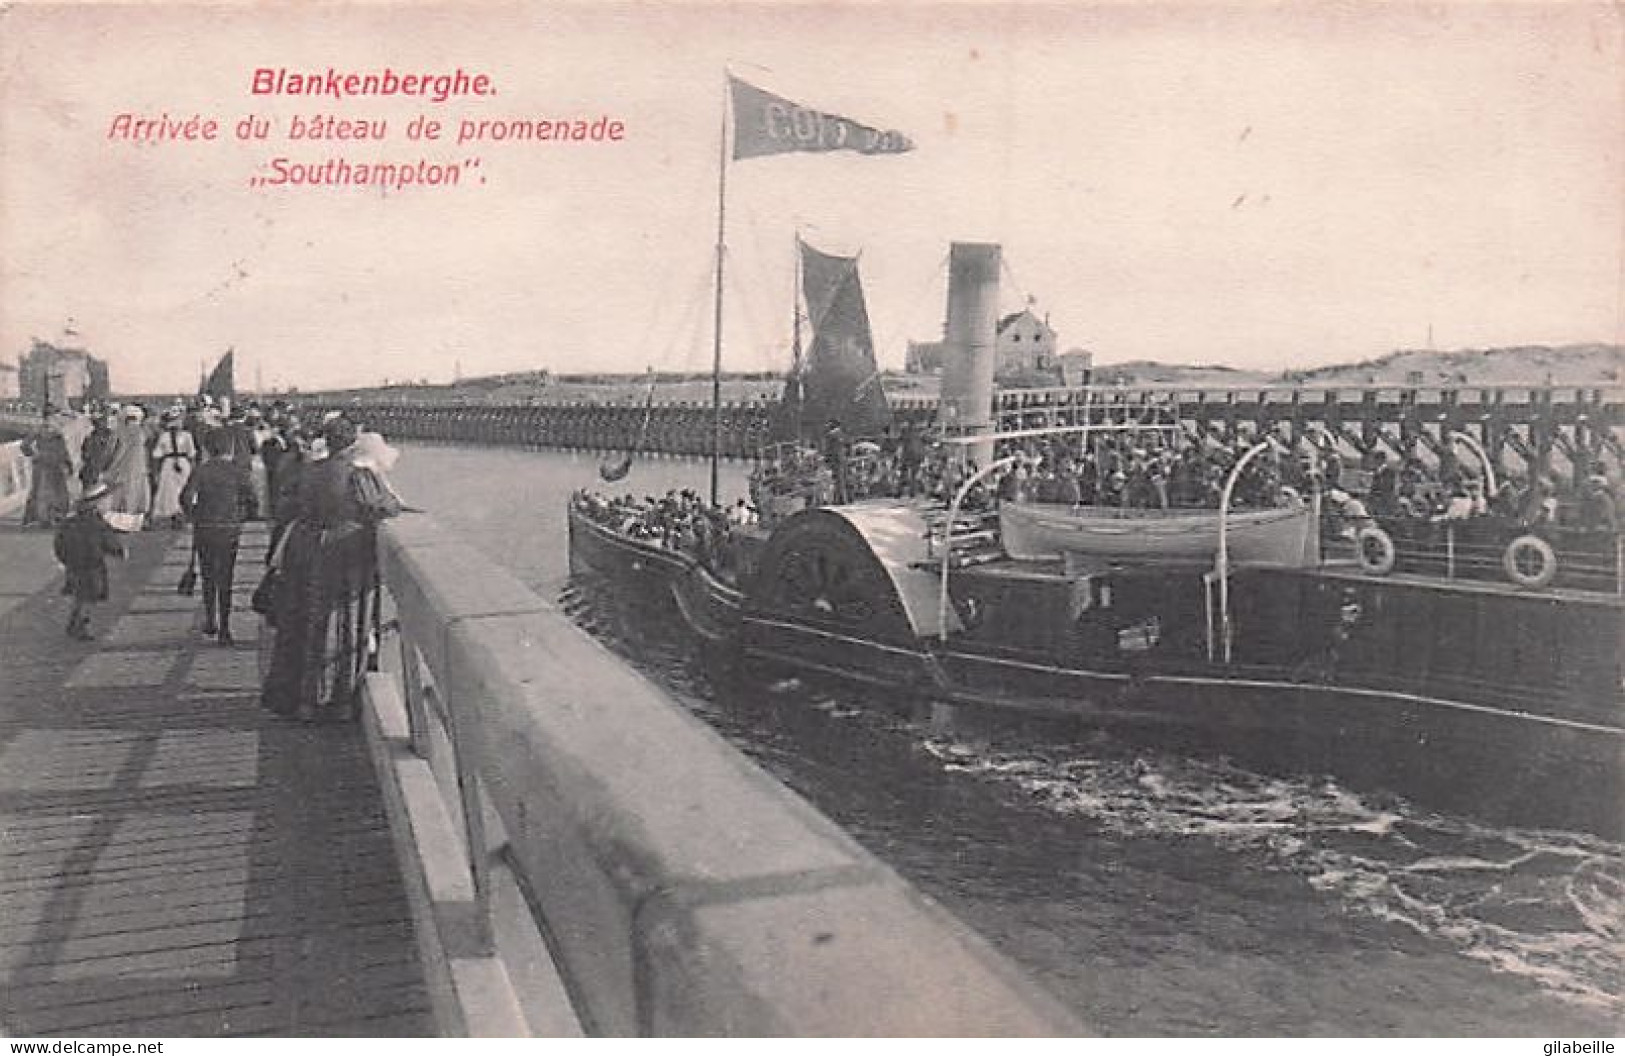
{"x":175,"y":861}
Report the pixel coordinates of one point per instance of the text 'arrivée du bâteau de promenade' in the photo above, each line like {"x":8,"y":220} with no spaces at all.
{"x":381,"y":129}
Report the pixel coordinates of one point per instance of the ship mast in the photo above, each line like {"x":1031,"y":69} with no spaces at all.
{"x":795,"y":344}
{"x":716,"y":342}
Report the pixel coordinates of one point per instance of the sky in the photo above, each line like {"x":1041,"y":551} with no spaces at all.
{"x":1265,"y":186}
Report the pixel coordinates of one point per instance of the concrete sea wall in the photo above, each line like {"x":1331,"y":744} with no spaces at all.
{"x":585,"y":856}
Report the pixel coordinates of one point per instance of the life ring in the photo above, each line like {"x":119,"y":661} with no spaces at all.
{"x":1530,"y":562}
{"x":1374,"y":550}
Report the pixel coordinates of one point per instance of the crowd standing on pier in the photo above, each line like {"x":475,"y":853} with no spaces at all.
{"x":323,"y":601}
{"x":321,"y":484}
{"x":147,"y":457}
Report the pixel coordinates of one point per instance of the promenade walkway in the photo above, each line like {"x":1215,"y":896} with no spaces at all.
{"x":174,"y":861}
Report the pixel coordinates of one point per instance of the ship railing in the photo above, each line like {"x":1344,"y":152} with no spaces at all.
{"x":943,"y":601}
{"x":1287,"y":391}
{"x":970,"y":532}
{"x":1221,"y":561}
{"x":1488,"y":548}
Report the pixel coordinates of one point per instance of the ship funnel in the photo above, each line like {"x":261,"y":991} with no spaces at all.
{"x":969,"y":353}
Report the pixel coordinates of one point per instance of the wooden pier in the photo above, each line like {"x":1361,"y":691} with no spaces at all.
{"x":175,"y":861}
{"x":1559,"y":430}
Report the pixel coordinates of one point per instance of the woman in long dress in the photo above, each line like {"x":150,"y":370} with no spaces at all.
{"x":174,"y":454}
{"x":126,"y":472}
{"x":259,"y":434}
{"x":48,"y":498}
{"x":322,"y":608}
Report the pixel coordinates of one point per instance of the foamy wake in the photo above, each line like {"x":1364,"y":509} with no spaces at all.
{"x":1547,"y":906}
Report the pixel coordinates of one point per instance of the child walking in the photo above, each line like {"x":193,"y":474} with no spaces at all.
{"x":83,"y":542}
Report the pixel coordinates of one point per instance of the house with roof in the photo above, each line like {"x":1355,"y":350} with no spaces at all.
{"x":1025,"y":354}
{"x":1024,"y":344}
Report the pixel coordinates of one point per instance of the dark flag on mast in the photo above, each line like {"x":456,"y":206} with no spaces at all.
{"x":836,"y":382}
{"x":219,"y":383}
{"x":765,"y":123}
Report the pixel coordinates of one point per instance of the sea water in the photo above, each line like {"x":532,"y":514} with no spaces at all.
{"x":1154,"y":892}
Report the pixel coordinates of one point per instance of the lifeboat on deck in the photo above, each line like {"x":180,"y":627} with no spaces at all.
{"x":1283,"y":537}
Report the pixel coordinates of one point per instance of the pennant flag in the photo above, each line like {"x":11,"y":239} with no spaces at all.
{"x":765,"y":123}
{"x":220,"y":382}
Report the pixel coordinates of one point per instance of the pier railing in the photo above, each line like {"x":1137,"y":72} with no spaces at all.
{"x":1541,"y":429}
{"x":582,"y":854}
{"x":1523,"y":428}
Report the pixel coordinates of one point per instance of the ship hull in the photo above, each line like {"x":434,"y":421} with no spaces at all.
{"x":709,"y":605}
{"x":1491,"y":762}
{"x":1539,"y":751}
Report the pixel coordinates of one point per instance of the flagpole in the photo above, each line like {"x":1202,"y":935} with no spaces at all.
{"x":716,"y":341}
{"x":795,"y":348}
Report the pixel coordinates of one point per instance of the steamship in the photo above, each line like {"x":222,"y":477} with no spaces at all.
{"x":1235,"y":636}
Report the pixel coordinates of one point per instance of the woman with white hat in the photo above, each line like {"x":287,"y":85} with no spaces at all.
{"x":174,"y":454}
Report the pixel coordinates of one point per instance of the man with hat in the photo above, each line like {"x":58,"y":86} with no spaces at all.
{"x":97,"y":447}
{"x":1598,"y":511}
{"x":244,"y":449}
{"x":82,"y":544}
{"x":835,"y":457}
{"x":217,"y":497}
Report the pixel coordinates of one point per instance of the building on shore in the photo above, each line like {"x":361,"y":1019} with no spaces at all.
{"x":1025,"y":346}
{"x":49,"y":373}
{"x":1077,"y":367}
{"x":923,"y":357}
{"x":8,"y":382}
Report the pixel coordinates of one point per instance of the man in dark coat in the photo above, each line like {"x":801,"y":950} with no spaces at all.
{"x":1597,"y":509}
{"x":217,"y":498}
{"x":97,"y":450}
{"x":911,"y":456}
{"x":835,"y":456}
{"x":272,"y":452}
{"x":1384,"y":495}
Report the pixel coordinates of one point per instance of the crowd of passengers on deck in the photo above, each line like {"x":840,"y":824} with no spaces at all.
{"x":1162,"y":469}
{"x":1153,"y":469}
{"x":1141,"y":471}
{"x":679,"y":521}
